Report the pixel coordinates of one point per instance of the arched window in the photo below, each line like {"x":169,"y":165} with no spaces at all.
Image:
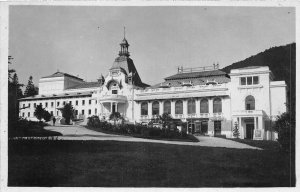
{"x":179,"y":107}
{"x":144,"y":108}
{"x":250,"y":103}
{"x":191,"y":106}
{"x":217,"y":108}
{"x":155,"y":108}
{"x":167,"y":107}
{"x":204,"y":106}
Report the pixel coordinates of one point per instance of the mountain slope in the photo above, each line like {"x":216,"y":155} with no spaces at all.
{"x":281,"y":61}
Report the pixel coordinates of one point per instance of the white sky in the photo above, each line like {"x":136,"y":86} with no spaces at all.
{"x":43,"y":39}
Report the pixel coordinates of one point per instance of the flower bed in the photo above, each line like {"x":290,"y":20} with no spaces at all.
{"x":138,"y":130}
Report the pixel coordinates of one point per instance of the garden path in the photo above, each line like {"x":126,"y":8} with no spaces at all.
{"x":76,"y":132}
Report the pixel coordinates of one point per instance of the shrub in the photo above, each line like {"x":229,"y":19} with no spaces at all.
{"x":285,"y":127}
{"x":94,"y":121}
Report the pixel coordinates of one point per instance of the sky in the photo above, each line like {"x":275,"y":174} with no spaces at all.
{"x":84,"y":40}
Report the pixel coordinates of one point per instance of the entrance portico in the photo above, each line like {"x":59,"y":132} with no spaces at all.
{"x":111,"y":104}
{"x":250,"y":124}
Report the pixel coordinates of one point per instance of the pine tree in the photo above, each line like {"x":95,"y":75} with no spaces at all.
{"x":39,"y":112}
{"x":236,"y":132}
{"x":68,"y":112}
{"x":15,"y":82}
{"x":30,"y":88}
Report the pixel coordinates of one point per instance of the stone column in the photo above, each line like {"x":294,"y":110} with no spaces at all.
{"x":173,"y":108}
{"x":185,"y":111}
{"x":161,"y":107}
{"x":240,"y":128}
{"x":210,"y":106}
{"x":197,"y":107}
{"x":150,"y":109}
{"x":260,"y":122}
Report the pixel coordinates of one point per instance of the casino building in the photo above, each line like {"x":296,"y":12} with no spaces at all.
{"x":209,"y":100}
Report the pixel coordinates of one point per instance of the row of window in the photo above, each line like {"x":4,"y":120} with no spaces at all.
{"x":64,"y":102}
{"x":251,"y":80}
{"x":89,"y":112}
{"x":76,"y":112}
{"x":191,"y":107}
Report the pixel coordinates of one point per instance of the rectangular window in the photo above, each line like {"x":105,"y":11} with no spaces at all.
{"x":34,"y":104}
{"x":96,"y":111}
{"x":248,"y":106}
{"x":57,"y":104}
{"x":23,"y":105}
{"x":57,"y":113}
{"x":28,"y":104}
{"x":70,"y":102}
{"x":114,"y":91}
{"x":83,"y":102}
{"x":90,"y":111}
{"x":23,"y":114}
{"x":82,"y":112}
{"x":41,"y":104}
{"x":28,"y":114}
{"x":64,"y":103}
{"x":243,"y":80}
{"x":95,"y":101}
{"x":76,"y":112}
{"x":51,"y":112}
{"x":76,"y":102}
{"x":249,"y":80}
{"x":90,"y":102}
{"x":46,"y":104}
{"x":255,"y":80}
{"x":52,"y":104}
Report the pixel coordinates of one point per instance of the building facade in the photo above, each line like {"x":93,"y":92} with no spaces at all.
{"x":210,"y":101}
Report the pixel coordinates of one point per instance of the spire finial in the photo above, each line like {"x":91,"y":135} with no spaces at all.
{"x":124,"y":32}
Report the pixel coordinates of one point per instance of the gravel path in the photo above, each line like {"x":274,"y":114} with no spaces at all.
{"x":74,"y":132}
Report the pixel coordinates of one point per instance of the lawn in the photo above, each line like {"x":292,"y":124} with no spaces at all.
{"x":131,"y":164}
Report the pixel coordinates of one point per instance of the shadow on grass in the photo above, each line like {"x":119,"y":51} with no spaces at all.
{"x":136,"y":164}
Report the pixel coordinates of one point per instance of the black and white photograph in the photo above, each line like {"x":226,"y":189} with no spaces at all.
{"x":148,"y":95}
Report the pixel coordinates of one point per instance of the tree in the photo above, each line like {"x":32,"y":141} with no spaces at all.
{"x":47,"y":116}
{"x":15,"y":82}
{"x":166,"y":118}
{"x":68,"y":112}
{"x":115,"y":117}
{"x":30,"y":90}
{"x":236,"y":132}
{"x":39,"y":112}
{"x":285,"y":127}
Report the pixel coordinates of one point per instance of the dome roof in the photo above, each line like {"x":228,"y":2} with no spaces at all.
{"x":124,"y":42}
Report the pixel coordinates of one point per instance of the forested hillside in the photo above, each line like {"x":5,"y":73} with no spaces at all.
{"x":281,"y":61}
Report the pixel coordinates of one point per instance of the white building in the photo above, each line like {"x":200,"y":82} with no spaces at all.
{"x":209,"y":100}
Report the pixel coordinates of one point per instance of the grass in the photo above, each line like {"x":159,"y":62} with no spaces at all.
{"x":131,"y":164}
{"x":263,"y":144}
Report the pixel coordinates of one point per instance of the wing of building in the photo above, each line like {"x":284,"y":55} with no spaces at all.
{"x":210,"y":101}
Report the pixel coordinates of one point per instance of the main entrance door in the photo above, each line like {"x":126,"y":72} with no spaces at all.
{"x":249,"y":131}
{"x":217,"y":128}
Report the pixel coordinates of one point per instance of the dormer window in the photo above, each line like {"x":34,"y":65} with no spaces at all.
{"x":114,"y":92}
{"x":250,"y":80}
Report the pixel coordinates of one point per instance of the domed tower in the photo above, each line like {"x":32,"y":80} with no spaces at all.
{"x":124,"y":64}
{"x":124,"y":48}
